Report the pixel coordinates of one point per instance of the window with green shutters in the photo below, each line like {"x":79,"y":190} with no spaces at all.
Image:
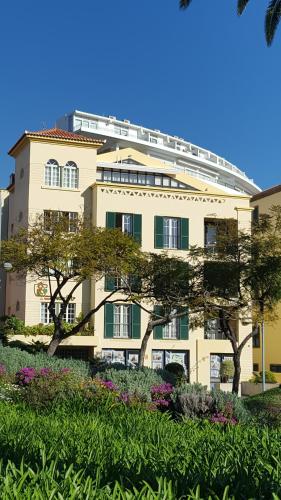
{"x":112,"y":283}
{"x":171,"y":233}
{"x":178,"y":329}
{"x":128,"y":223}
{"x":122,"y":321}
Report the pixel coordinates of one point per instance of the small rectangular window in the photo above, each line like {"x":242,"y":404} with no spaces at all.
{"x":255,"y":367}
{"x":275,"y":368}
{"x":107,"y":175}
{"x":125,"y":177}
{"x":158,"y":180}
{"x":85,"y":124}
{"x":133,"y":177}
{"x":166,"y":181}
{"x":115,"y":176}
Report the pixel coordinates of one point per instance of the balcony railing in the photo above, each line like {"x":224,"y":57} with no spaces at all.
{"x":156,"y":138}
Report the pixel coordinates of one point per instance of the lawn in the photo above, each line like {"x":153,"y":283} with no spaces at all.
{"x":89,"y":451}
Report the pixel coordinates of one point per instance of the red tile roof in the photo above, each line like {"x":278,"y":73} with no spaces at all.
{"x":267,"y":192}
{"x":57,"y":133}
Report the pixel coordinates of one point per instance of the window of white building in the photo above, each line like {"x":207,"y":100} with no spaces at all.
{"x":170,"y":232}
{"x":121,"y":320}
{"x":70,"y":175}
{"x":46,"y":318}
{"x":52,"y":173}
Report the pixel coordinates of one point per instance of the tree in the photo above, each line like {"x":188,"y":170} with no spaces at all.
{"x":68,"y":255}
{"x":272,"y":16}
{"x":241,"y":281}
{"x":170,"y":283}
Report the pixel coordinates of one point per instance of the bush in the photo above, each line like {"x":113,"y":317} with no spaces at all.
{"x":135,"y":381}
{"x":47,"y":387}
{"x":269,"y":378}
{"x":230,"y":405}
{"x":193,"y":401}
{"x":14,"y":359}
{"x":177,"y":370}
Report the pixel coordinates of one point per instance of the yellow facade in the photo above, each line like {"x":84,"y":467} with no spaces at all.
{"x":262,"y":203}
{"x":95,"y":197}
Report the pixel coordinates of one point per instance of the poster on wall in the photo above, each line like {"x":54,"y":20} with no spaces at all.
{"x":157,"y":359}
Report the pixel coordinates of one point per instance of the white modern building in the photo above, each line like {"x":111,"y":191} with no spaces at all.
{"x":172,"y":150}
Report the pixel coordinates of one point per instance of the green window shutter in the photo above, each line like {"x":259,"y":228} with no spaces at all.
{"x":108,"y":321}
{"x":158,"y":330}
{"x":110,"y":220}
{"x":158,"y":232}
{"x":109,"y":283}
{"x":184,"y":236}
{"x":184,"y":326}
{"x":137,"y":223}
{"x":135,"y":321}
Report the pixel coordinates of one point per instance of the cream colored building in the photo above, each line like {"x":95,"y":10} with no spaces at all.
{"x":261,"y":204}
{"x":165,"y":207}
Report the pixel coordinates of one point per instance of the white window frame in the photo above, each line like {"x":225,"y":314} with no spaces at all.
{"x":170,"y":232}
{"x":127,"y":223}
{"x":121,"y":320}
{"x":171,"y":330}
{"x":46,"y":318}
{"x":70,"y":175}
{"x":52,"y":174}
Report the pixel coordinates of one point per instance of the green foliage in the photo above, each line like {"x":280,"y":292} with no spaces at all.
{"x":269,"y":378}
{"x":266,"y":407}
{"x":79,"y":453}
{"x":15,"y":359}
{"x":136,"y":381}
{"x":177,"y":370}
{"x":195,"y":401}
{"x":50,"y":389}
{"x":223,"y":399}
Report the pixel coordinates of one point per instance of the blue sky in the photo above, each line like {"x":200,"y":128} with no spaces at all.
{"x":203,"y":74}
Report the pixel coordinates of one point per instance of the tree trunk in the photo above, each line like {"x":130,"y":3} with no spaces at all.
{"x":145,"y":339}
{"x":55,"y":342}
{"x":237,"y":372}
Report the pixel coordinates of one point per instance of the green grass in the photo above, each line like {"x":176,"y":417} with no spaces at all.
{"x":110,"y":451}
{"x":271,"y":397}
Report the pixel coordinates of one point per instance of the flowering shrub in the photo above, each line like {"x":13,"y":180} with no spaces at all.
{"x":219,"y":418}
{"x":45,"y":386}
{"x":161,"y":395}
{"x":108,"y":384}
{"x":25,"y":376}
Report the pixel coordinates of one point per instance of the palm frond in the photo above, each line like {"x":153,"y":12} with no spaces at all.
{"x":241,"y":5}
{"x":185,"y":3}
{"x":272,"y":19}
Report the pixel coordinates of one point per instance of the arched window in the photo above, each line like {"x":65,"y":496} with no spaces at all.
{"x":70,"y":175}
{"x":52,"y":173}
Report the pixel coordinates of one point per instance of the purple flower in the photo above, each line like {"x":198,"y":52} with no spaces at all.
{"x":45,"y":372}
{"x":65,"y":370}
{"x":108,"y":384}
{"x":124,"y":397}
{"x":162,"y":389}
{"x":219,"y":418}
{"x":25,"y":375}
{"x":161,"y":402}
